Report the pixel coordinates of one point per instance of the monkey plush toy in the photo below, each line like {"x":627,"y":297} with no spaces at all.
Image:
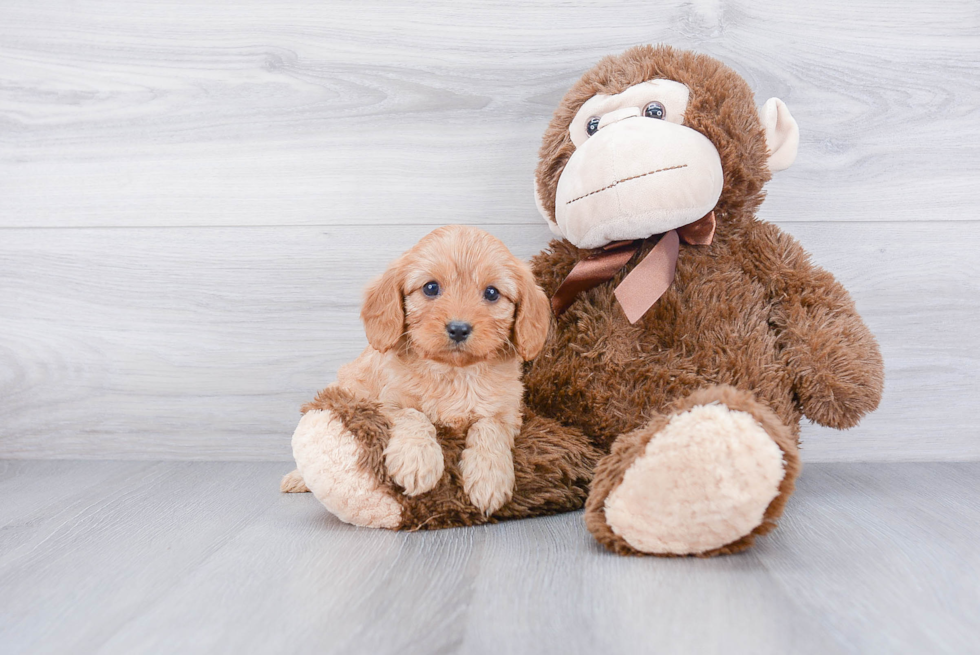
{"x":689,"y":339}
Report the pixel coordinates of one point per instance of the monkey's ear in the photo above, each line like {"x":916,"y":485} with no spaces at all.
{"x":782,"y":134}
{"x":533,"y":314}
{"x":383,"y":311}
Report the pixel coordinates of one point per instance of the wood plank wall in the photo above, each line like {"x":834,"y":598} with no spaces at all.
{"x":192,"y":195}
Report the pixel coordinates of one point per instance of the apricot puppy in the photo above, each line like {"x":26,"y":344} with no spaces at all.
{"x":449,"y":324}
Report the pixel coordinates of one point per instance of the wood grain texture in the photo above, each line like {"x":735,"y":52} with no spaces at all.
{"x":341,"y":113}
{"x":192,"y":196}
{"x":209,"y":557}
{"x":202,"y":343}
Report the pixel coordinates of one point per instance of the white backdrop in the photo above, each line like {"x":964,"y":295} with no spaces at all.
{"x":192,"y":197}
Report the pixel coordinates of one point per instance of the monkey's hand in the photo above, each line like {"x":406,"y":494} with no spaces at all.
{"x":837,"y":368}
{"x":413,"y":456}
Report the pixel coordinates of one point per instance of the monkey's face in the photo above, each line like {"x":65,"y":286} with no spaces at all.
{"x":654,"y":139}
{"x":637,"y":170}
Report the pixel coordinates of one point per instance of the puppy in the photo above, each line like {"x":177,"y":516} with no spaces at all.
{"x":449,"y":324}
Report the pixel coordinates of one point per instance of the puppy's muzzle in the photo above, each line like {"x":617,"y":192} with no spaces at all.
{"x":458,"y":331}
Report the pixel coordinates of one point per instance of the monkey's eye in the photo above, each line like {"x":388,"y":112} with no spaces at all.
{"x":431,"y":289}
{"x":654,"y":110}
{"x":491,"y":294}
{"x":592,"y":126}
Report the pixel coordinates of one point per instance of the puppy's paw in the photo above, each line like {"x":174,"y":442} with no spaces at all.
{"x":416,"y":465}
{"x":413,"y":457}
{"x":488,"y":478}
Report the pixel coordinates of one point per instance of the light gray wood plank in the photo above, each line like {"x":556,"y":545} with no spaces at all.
{"x":316,"y":585}
{"x":869,"y":558}
{"x":110,"y":550}
{"x":202,"y":343}
{"x":893,"y":546}
{"x":525,"y":587}
{"x":37,"y":497}
{"x":258,"y":113}
{"x":547,"y":586}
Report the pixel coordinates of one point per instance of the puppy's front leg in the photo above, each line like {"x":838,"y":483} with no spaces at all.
{"x":487,"y":462}
{"x":413,"y":456}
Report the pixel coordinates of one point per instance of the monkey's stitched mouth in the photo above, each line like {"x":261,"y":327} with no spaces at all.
{"x":625,"y":179}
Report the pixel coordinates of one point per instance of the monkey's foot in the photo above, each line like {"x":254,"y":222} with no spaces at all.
{"x":702,"y":481}
{"x":292,"y":483}
{"x":330,"y":460}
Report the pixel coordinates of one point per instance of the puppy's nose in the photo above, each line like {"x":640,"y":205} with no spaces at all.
{"x":458,"y":331}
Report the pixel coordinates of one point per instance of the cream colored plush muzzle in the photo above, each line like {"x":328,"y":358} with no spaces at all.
{"x":635,"y":177}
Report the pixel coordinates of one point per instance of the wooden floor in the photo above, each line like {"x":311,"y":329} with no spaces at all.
{"x":131,"y":557}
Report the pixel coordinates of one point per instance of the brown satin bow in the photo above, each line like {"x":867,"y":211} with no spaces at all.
{"x":646,"y":282}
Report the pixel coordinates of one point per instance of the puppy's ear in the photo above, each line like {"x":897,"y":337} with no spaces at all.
{"x":383,"y":311}
{"x":533,"y":314}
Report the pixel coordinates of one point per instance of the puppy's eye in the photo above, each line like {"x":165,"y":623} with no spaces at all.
{"x":592,"y":126}
{"x":654,"y":110}
{"x":431,"y":289}
{"x":491,"y":294}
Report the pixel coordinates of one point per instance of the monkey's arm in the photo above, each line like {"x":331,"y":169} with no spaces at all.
{"x":838,"y":373}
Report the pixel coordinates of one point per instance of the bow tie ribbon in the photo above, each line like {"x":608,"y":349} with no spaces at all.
{"x":646,"y":282}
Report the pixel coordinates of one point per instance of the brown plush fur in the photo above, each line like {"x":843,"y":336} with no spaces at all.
{"x":553,"y":467}
{"x":748,"y":322}
{"x":365,"y":421}
{"x":737,"y":313}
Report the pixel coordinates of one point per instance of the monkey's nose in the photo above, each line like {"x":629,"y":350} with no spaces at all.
{"x":458,"y":331}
